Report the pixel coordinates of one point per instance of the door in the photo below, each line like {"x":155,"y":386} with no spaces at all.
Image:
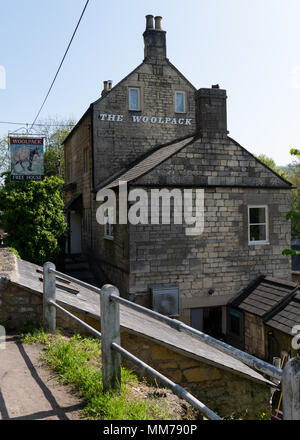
{"x":75,"y":233}
{"x":208,"y":320}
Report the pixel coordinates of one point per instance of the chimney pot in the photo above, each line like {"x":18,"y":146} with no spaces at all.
{"x":104,"y":85}
{"x":149,"y":22}
{"x":154,"y":39}
{"x":109,"y":84}
{"x":158,"y":23}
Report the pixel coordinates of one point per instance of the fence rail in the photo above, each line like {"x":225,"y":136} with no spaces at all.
{"x":112,"y":350}
{"x":110,"y":337}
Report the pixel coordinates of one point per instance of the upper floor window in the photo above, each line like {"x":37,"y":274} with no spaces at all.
{"x":134,"y":98}
{"x":180,"y":102}
{"x":258,"y":232}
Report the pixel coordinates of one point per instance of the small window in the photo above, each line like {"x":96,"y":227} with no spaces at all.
{"x":258,"y":224}
{"x":134,"y":98}
{"x":180,"y":102}
{"x":108,"y":225}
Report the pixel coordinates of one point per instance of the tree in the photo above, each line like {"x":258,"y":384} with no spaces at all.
{"x":294,"y":213}
{"x":55,"y":131}
{"x":32,"y":217}
{"x":271,"y":164}
{"x":4,"y":157}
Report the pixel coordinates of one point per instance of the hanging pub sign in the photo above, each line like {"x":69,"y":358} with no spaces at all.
{"x":27,"y":158}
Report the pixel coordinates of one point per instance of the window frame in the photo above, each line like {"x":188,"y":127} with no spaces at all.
{"x":184,"y":101}
{"x":139,"y":99}
{"x":266,"y":223}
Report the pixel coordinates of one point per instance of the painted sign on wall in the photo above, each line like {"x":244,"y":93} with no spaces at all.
{"x":26,"y":158}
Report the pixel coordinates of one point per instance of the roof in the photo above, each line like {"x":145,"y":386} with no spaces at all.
{"x":149,"y":161}
{"x":287,"y":317}
{"x":28,"y":276}
{"x":274,"y":300}
{"x":75,"y":203}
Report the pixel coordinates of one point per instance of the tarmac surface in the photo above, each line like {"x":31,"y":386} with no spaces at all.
{"x":28,"y":390}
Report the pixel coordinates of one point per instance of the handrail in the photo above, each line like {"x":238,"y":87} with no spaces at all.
{"x":248,"y":359}
{"x":50,"y":300}
{"x":177,"y":389}
{"x":84,"y":324}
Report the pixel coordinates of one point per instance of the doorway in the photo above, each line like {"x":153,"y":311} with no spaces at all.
{"x":208,"y":320}
{"x":75,"y":233}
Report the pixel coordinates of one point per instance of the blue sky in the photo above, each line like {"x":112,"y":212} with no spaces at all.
{"x":249,"y":47}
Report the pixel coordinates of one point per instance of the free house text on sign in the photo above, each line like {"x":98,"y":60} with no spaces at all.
{"x":144,"y":119}
{"x":26,"y":158}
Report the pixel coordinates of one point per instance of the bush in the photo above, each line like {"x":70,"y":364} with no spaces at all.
{"x":32,"y":217}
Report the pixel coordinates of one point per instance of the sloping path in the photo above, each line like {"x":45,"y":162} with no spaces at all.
{"x":28,"y":390}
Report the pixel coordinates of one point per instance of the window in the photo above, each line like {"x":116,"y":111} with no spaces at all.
{"x":108,"y":225}
{"x":179,"y":102}
{"x":258,"y":224}
{"x":234,"y":323}
{"x":134,"y":98}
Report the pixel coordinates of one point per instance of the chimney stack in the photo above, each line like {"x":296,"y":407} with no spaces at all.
{"x":107,"y":86}
{"x":154,"y":39}
{"x":211,"y":111}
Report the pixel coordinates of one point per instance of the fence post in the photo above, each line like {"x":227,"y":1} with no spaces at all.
{"x":49,"y":289}
{"x":110,"y":330}
{"x":291,"y":390}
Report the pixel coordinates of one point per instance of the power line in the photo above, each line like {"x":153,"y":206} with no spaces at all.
{"x":40,"y":125}
{"x":61,"y":63}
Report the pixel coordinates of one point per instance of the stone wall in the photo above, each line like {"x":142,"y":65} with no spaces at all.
{"x":117,"y":144}
{"x":221,"y":390}
{"x":220,"y":258}
{"x":78,"y":170}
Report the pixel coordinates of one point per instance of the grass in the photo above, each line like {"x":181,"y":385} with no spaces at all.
{"x":77,"y":362}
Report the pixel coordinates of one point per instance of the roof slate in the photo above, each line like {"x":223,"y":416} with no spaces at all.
{"x":276,"y":301}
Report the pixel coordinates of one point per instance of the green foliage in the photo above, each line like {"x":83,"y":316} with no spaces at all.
{"x":294,"y":213}
{"x":29,"y":334}
{"x":4,"y":156}
{"x":55,"y":132}
{"x":32,"y":217}
{"x":14,"y":251}
{"x":77,"y":361}
{"x":271,"y":164}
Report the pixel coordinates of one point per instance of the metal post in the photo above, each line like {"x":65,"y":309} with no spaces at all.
{"x":291,"y":390}
{"x":110,"y":330}
{"x":49,"y":289}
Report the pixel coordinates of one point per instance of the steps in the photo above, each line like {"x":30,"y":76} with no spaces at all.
{"x":77,"y":266}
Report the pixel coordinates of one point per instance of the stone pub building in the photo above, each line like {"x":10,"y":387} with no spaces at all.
{"x":154,"y":130}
